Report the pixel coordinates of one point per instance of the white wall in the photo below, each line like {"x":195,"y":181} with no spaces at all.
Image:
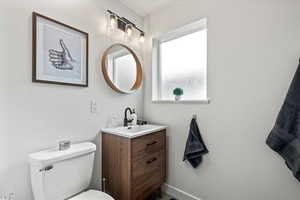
{"x":35,"y":116}
{"x":253,"y":51}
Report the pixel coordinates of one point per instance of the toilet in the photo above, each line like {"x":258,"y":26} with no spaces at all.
{"x":61,"y":175}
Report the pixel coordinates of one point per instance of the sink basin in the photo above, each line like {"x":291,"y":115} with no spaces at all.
{"x":134,"y":131}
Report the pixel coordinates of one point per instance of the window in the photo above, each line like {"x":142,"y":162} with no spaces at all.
{"x":180,"y":61}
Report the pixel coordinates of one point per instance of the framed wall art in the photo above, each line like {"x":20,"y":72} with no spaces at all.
{"x":60,"y":53}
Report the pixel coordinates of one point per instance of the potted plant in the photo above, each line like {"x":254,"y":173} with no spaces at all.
{"x":178,"y":92}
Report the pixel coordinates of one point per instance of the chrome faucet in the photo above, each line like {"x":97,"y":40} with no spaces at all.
{"x":126,"y":120}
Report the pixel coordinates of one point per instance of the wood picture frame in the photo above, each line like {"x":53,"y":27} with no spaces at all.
{"x":67,"y":51}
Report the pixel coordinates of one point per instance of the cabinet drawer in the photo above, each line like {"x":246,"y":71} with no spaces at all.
{"x":147,"y":174}
{"x":148,"y":144}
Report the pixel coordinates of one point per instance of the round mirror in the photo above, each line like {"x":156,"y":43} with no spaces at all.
{"x":122,"y":69}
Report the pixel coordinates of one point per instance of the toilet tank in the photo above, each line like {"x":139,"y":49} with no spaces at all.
{"x":58,"y":175}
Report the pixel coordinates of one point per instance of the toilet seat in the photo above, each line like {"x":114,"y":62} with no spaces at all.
{"x":92,"y":195}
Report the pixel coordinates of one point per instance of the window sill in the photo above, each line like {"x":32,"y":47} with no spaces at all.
{"x":181,"y":101}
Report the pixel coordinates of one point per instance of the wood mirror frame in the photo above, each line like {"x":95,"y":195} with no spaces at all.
{"x":139,"y":70}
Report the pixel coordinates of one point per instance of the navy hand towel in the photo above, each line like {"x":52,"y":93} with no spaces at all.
{"x":195,"y":147}
{"x":285,"y":135}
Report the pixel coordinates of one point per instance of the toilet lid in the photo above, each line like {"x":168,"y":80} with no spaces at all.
{"x":92,"y":195}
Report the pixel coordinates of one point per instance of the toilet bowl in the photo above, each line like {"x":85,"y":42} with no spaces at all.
{"x":60,"y":175}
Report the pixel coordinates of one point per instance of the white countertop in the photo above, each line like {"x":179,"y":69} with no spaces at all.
{"x":134,"y":131}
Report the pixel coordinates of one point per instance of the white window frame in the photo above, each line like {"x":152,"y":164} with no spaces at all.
{"x":156,"y":61}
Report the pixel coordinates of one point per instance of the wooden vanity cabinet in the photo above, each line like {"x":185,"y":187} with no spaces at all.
{"x":133,"y":169}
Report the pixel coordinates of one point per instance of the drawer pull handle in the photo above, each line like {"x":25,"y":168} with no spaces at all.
{"x":151,"y":161}
{"x":152,"y":143}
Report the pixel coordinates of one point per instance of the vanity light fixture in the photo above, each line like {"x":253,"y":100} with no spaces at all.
{"x":122,"y":23}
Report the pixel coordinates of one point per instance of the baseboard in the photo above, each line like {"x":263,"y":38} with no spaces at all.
{"x":178,"y":194}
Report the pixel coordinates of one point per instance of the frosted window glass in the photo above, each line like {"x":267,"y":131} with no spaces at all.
{"x":183,"y":63}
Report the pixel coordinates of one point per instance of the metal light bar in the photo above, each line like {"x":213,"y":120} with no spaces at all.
{"x":122,"y":22}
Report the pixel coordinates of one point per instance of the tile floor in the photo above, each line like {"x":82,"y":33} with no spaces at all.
{"x":166,"y":197}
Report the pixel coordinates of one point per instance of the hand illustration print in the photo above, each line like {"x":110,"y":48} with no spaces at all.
{"x":61,"y":60}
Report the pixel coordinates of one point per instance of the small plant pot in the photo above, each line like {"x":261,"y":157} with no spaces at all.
{"x":177,"y":98}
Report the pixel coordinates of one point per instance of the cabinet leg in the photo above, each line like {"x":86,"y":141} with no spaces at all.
{"x":159,"y":192}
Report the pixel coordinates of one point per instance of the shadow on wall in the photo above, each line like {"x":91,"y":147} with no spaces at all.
{"x":97,"y":172}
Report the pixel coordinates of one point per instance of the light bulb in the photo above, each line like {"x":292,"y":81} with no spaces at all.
{"x":113,"y":20}
{"x":142,"y":37}
{"x":129,"y":29}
